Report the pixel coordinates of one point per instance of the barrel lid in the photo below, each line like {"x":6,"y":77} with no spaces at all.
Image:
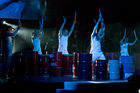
{"x":67,"y":54}
{"x":44,"y":55}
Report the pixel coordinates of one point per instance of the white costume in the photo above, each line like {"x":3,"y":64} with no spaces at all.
{"x":96,"y":49}
{"x":36,"y":45}
{"x":124,"y":50}
{"x":63,"y":44}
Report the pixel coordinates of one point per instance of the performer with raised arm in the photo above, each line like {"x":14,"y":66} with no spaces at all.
{"x":8,"y":33}
{"x":96,"y":37}
{"x":64,"y":35}
{"x":124,"y":44}
{"x":36,"y":35}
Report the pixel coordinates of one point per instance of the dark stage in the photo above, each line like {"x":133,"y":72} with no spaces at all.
{"x":75,"y":72}
{"x":69,"y":85}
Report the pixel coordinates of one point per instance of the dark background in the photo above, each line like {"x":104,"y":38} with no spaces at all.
{"x":117,"y":15}
{"x":125,"y":11}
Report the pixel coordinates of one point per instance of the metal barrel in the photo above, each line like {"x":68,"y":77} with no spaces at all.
{"x":19,"y":65}
{"x":75,"y":64}
{"x":85,"y":66}
{"x":137,"y":64}
{"x":101,"y":70}
{"x":127,"y":64}
{"x":114,"y":69}
{"x":55,"y":64}
{"x":44,"y":65}
{"x":35,"y":64}
{"x":67,"y":64}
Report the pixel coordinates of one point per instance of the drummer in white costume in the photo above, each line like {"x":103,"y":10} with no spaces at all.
{"x":36,"y":39}
{"x":96,"y":40}
{"x":124,"y":44}
{"x":64,"y":35}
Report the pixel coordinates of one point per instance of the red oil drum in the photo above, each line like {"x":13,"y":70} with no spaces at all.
{"x":55,"y":64}
{"x":44,"y":65}
{"x":35,"y":64}
{"x":75,"y":64}
{"x":94,"y":65}
{"x":67,"y":64}
{"x":27,"y":65}
{"x":19,"y":65}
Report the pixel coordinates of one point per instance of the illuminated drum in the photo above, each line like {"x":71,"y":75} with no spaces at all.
{"x":127,"y":63}
{"x":114,"y":69}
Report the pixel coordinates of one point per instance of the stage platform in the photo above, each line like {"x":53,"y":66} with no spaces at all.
{"x":68,"y":85}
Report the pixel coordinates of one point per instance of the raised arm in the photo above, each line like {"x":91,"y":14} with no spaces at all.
{"x":134,"y":40}
{"x":97,"y":23}
{"x":123,"y":37}
{"x":96,"y":26}
{"x":41,"y":30}
{"x":41,"y":24}
{"x":15,"y":30}
{"x":73,"y":25}
{"x":19,"y":24}
{"x":102,"y":32}
{"x":62,"y":26}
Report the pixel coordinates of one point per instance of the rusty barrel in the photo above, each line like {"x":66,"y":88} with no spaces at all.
{"x":67,"y":64}
{"x":44,"y":65}
{"x":75,"y":64}
{"x":19,"y":60}
{"x":34,"y":65}
{"x":55,"y":64}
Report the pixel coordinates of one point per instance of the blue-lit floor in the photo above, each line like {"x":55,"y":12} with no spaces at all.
{"x":73,"y":85}
{"x":68,"y":85}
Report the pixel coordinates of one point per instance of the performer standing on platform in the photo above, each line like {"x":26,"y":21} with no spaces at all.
{"x":124,"y":44}
{"x":64,"y":35}
{"x":96,"y":40}
{"x":36,"y":35}
{"x":8,"y":46}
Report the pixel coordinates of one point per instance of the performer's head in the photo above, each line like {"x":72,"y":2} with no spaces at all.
{"x":10,"y":29}
{"x":125,"y":40}
{"x":36,"y":33}
{"x":65,"y":32}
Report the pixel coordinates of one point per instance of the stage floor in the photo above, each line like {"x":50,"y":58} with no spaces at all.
{"x":67,"y":79}
{"x":68,"y":84}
